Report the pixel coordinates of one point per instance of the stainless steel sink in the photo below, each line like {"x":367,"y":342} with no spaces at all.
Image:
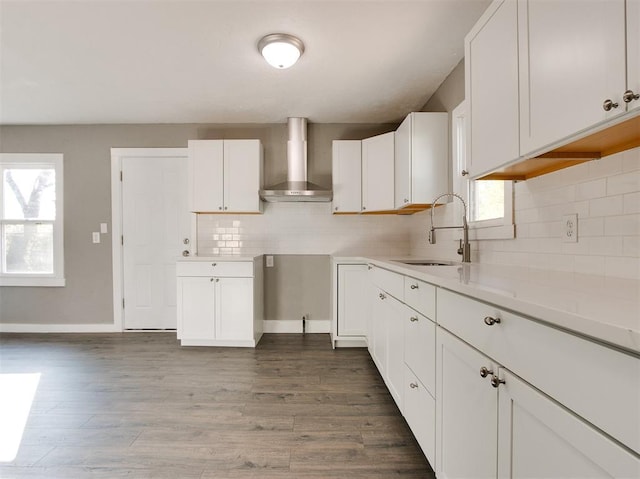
{"x":424,"y":262}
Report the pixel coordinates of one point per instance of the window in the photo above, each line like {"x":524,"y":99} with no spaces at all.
{"x":31,"y":226}
{"x":490,"y":202}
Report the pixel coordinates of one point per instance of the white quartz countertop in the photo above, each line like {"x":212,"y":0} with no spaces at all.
{"x":218,"y":258}
{"x":604,"y":308}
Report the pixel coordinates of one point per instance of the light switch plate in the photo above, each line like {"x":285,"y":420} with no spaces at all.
{"x":269,"y":261}
{"x":103,"y":228}
{"x":570,"y":228}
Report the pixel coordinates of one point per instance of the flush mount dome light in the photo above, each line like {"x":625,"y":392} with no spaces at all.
{"x":280,"y":49}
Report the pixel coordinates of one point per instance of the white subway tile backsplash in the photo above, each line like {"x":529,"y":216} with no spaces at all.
{"x":604,"y":193}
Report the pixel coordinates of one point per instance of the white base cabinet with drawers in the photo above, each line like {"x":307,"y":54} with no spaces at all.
{"x":516,"y":398}
{"x":219,"y":303}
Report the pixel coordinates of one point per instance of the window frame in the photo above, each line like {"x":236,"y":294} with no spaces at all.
{"x":35,"y":160}
{"x":496,"y":228}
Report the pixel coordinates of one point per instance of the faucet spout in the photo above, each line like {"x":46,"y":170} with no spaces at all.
{"x":465,"y":247}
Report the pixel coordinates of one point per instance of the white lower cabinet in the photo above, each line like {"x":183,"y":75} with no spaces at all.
{"x":420,"y":413}
{"x":351,"y":305}
{"x":490,"y":423}
{"x":466,"y":411}
{"x":539,"y":438}
{"x":217,"y":310}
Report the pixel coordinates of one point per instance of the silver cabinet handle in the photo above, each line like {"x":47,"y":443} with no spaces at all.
{"x":413,"y":385}
{"x":484,"y":372}
{"x":496,"y":381}
{"x":628,"y":96}
{"x":414,"y":286}
{"x":608,"y":105}
{"x":489,"y":321}
{"x":214,"y":264}
{"x":185,"y":252}
{"x":413,"y":319}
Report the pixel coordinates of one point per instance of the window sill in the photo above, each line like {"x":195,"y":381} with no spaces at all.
{"x":492,"y":232}
{"x":32,"y":281}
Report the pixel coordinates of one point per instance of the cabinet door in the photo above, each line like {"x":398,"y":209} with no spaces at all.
{"x":196,"y":308}
{"x":394,"y":377}
{"x":491,"y":80}
{"x":353,"y":299}
{"x":378,"y":344}
{"x":242,"y":175}
{"x":347,"y":176}
{"x":206,"y":175}
{"x":420,"y":413}
{"x":377,"y":173}
{"x":572,"y":59}
{"x":402,"y":165}
{"x":466,"y":411}
{"x":533,"y":427}
{"x":633,"y":50}
{"x":234,"y":308}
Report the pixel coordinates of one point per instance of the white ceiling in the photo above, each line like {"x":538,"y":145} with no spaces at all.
{"x":186,"y":61}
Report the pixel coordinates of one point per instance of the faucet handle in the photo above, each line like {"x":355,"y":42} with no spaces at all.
{"x":432,"y":236}
{"x":461,"y":248}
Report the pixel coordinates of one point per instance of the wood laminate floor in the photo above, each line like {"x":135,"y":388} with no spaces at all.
{"x":138,"y":405}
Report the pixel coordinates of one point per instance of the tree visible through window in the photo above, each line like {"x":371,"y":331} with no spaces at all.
{"x":31,"y":222}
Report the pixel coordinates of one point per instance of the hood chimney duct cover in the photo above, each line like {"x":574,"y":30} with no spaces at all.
{"x":296,"y":188}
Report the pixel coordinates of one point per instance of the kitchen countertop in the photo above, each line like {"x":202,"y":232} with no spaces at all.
{"x":604,"y":308}
{"x":218,"y":258}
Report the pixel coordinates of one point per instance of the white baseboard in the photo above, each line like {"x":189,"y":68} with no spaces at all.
{"x":295,"y":326}
{"x":57,"y":328}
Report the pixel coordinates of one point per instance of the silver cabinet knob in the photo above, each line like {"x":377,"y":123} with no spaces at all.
{"x":608,"y":105}
{"x":369,"y":267}
{"x":214,"y":264}
{"x":185,"y":252}
{"x":364,"y":208}
{"x":628,"y":96}
{"x":413,"y":319}
{"x":496,"y":381}
{"x":217,"y":280}
{"x":464,"y":172}
{"x":382,"y":296}
{"x":406,"y":200}
{"x":335,"y":209}
{"x":413,"y":385}
{"x":484,"y":372}
{"x":414,"y":286}
{"x":489,"y":321}
{"x":225,"y":208}
{"x":220,"y":207}
{"x":211,"y":280}
{"x":185,"y":241}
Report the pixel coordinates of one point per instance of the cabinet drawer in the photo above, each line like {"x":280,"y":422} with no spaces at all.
{"x":596,"y":382}
{"x":420,"y":414}
{"x":389,"y":282}
{"x":420,"y":347}
{"x":420,"y":296}
{"x":232,"y":269}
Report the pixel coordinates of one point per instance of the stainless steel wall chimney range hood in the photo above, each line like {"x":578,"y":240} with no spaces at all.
{"x":296,"y":188}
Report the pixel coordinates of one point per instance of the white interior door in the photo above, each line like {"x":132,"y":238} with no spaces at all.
{"x":155,"y":224}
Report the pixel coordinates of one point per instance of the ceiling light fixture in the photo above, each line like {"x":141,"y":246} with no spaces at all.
{"x":281,"y":50}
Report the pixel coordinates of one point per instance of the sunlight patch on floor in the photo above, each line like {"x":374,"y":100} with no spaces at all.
{"x":17,"y":392}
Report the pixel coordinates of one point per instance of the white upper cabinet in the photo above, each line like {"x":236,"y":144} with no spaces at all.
{"x":572,"y":62}
{"x":421,"y":159}
{"x":377,"y":173}
{"x":491,"y":82}
{"x":633,"y":52}
{"x":347,"y":176}
{"x":225,"y":176}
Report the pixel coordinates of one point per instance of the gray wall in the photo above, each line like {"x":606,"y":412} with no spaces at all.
{"x":87,"y":297}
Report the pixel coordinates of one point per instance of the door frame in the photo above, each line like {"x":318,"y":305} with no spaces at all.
{"x":117,"y":155}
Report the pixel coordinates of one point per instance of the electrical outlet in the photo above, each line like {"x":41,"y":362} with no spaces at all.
{"x":570,"y":228}
{"x":95,"y":236}
{"x":103,"y":228}
{"x":269,"y":261}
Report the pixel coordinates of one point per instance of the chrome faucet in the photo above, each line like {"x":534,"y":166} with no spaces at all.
{"x":465,"y":247}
